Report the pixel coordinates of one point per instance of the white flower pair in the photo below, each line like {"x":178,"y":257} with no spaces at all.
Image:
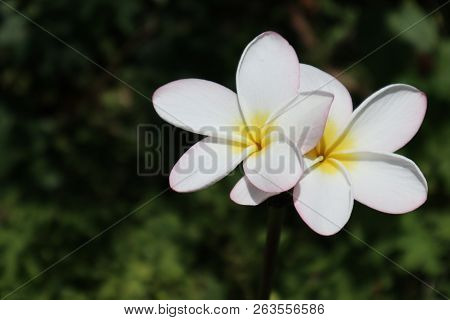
{"x":293,"y":126}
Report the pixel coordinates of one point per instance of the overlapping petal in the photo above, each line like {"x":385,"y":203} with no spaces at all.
{"x":303,"y":121}
{"x":385,"y":121}
{"x":341,"y":109}
{"x":385,"y":181}
{"x":200,"y":106}
{"x":205,"y":163}
{"x":245,"y":193}
{"x":267,"y":77}
{"x":324,"y":198}
{"x":276,"y":168}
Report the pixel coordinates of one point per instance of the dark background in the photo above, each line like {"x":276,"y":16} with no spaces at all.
{"x":68,"y":152}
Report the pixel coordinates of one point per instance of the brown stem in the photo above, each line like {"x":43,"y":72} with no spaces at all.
{"x":275,"y":222}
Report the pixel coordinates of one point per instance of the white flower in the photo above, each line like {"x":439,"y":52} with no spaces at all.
{"x":355,"y":159}
{"x":259,"y":125}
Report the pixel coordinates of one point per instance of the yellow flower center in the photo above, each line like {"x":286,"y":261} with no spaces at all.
{"x":329,"y":148}
{"x":255,"y":133}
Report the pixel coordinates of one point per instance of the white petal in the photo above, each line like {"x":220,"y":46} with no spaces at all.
{"x":245,"y":193}
{"x":205,"y":163}
{"x":276,"y":168}
{"x":386,"y":182}
{"x":313,"y":79}
{"x":304,"y":119}
{"x":323,"y":197}
{"x":385,"y":121}
{"x":200,"y":106}
{"x":267,"y":77}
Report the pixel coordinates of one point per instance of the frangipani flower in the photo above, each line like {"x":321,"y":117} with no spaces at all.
{"x":355,"y":159}
{"x":259,"y":125}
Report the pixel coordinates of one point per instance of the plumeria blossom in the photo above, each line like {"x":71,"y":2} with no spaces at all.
{"x":259,"y":126}
{"x":354,"y":159}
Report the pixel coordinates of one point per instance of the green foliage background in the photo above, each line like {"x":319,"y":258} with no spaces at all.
{"x":68,"y":152}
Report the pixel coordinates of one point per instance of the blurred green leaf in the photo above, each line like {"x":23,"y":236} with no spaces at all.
{"x":410,"y":21}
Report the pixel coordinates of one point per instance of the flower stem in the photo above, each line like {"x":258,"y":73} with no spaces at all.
{"x":275,"y":222}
